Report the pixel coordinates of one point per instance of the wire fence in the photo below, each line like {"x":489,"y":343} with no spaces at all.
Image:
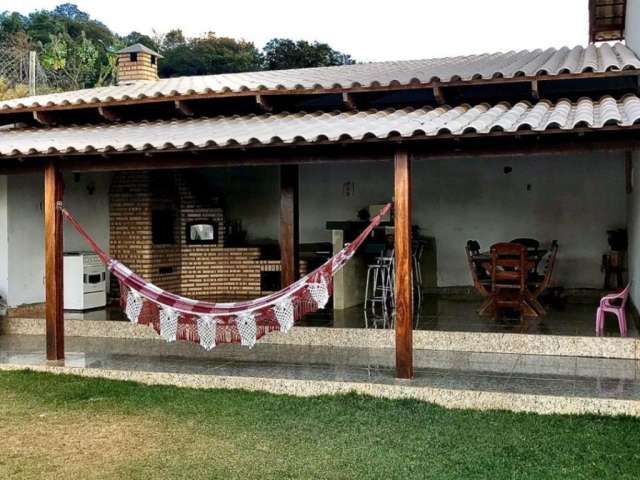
{"x":21,"y":74}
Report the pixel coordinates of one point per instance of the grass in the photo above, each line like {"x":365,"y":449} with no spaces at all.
{"x":73,"y":427}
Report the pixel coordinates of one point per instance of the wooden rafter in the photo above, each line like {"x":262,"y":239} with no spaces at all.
{"x":349,"y":101}
{"x":183,"y":108}
{"x":438,"y":94}
{"x":535,"y":91}
{"x":264,"y":104}
{"x":44,"y":118}
{"x":382,"y":88}
{"x":109,"y":114}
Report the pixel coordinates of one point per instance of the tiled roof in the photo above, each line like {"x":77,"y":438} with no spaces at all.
{"x":223,"y":132}
{"x":139,"y":48}
{"x":511,"y":64}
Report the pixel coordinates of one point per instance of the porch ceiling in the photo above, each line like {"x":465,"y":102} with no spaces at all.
{"x":323,"y":128}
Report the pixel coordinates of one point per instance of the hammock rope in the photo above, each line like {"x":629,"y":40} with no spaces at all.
{"x":209,"y":324}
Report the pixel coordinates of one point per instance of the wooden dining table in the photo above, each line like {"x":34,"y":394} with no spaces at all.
{"x":532,"y":306}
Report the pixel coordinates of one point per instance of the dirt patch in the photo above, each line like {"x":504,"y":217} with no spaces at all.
{"x":53,"y":445}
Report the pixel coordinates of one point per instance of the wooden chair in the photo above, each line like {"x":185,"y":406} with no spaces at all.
{"x":481,"y":280}
{"x":530,"y":243}
{"x":539,"y":283}
{"x":509,"y":268}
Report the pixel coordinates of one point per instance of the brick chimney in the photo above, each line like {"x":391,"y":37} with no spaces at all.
{"x":137,"y":62}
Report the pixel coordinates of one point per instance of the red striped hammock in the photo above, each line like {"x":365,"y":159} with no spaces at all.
{"x":178,"y":318}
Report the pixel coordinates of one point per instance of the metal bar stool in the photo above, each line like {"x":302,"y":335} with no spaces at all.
{"x":418,"y":250}
{"x":379,"y":288}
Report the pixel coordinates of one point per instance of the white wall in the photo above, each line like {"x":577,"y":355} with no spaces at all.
{"x":4,"y":254}
{"x":633,"y":208}
{"x":572,"y":199}
{"x":25,"y":239}
{"x":632,"y":25}
{"x":91,"y":210}
{"x":25,"y":228}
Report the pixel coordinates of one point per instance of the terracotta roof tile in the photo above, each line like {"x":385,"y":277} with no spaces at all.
{"x":511,"y":64}
{"x":222,"y":132}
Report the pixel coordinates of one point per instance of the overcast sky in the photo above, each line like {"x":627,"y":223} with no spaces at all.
{"x":368,"y":30}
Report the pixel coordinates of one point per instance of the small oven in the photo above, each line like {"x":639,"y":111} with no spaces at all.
{"x":85,"y":281}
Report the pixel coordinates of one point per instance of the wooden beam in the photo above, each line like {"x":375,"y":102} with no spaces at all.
{"x":289,"y":233}
{"x":403,"y":252}
{"x":53,"y":262}
{"x":349,"y":101}
{"x":438,"y":94}
{"x":108,"y":114}
{"x":264,"y":104}
{"x":183,"y":108}
{"x":535,"y":91}
{"x":44,"y":118}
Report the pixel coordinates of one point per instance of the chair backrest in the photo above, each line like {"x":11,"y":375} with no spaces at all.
{"x":508,"y":266}
{"x":548,"y":267}
{"x":530,"y":243}
{"x":625,"y":294}
{"x":473,"y":248}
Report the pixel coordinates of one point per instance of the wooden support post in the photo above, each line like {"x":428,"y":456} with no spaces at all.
{"x":403,"y":251}
{"x":289,"y":256}
{"x":53,"y":262}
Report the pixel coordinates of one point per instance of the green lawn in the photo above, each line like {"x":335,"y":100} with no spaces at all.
{"x":72,"y":427}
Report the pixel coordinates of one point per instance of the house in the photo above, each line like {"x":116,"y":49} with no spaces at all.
{"x":485,"y":147}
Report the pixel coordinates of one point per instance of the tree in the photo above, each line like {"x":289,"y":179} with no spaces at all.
{"x":77,"y":60}
{"x":12,"y":23}
{"x":172,"y":39}
{"x":137,"y":37}
{"x":70,"y":11}
{"x":77,"y":51}
{"x":282,"y":53}
{"x":208,"y":55}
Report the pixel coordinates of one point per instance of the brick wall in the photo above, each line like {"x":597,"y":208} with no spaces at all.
{"x":197,"y":271}
{"x":142,"y":69}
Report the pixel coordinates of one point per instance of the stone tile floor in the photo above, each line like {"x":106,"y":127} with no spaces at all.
{"x":525,"y":374}
{"x":439,"y":313}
